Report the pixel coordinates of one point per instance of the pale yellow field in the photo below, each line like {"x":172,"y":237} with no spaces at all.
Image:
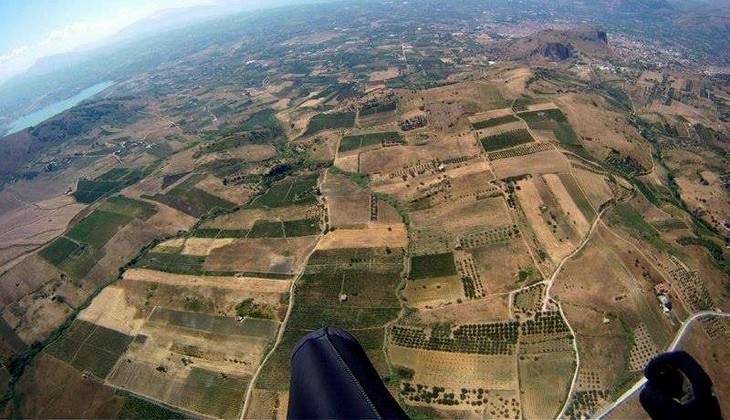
{"x":373,"y":236}
{"x":549,"y":161}
{"x":458,"y":370}
{"x":567,"y":204}
{"x":349,"y":163}
{"x":488,"y":115}
{"x":594,"y":186}
{"x":544,"y":382}
{"x":530,"y":201}
{"x":389,"y":73}
{"x":241,"y":284}
{"x":433,"y":292}
{"x":204,"y":246}
{"x":111,"y":310}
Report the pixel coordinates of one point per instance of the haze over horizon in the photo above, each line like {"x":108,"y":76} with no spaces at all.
{"x":31,"y":30}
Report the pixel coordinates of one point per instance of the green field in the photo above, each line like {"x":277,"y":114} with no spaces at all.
{"x":521,"y":103}
{"x":98,"y":228}
{"x":220,"y":233}
{"x":554,"y":120}
{"x":138,"y":409}
{"x":191,"y":200}
{"x":543,"y":120}
{"x":216,"y":324}
{"x":378,"y":108}
{"x":90,"y":347}
{"x":371,"y":303}
{"x":127,"y":206}
{"x":626,"y":215}
{"x":287,"y":192}
{"x":505,"y":140}
{"x":302,"y":227}
{"x":172,"y":263}
{"x":267,"y":229}
{"x":214,"y":393}
{"x":330,"y":121}
{"x":494,"y":122}
{"x":371,"y":139}
{"x":88,"y":191}
{"x":59,"y":250}
{"x":429,"y":266}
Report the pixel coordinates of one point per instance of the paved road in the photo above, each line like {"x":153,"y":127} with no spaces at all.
{"x":640,"y":383}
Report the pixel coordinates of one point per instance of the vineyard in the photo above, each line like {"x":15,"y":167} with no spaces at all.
{"x":494,"y":122}
{"x":505,"y":140}
{"x":522,"y":150}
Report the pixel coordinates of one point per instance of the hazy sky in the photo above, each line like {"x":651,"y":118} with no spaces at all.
{"x":31,"y":29}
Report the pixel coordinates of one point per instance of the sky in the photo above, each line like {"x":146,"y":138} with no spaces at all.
{"x":31,"y":29}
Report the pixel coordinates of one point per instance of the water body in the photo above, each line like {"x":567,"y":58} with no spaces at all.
{"x":56,"y":108}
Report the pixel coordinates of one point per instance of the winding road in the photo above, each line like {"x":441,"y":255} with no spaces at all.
{"x":640,"y":383}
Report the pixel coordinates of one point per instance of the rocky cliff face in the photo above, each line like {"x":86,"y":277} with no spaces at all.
{"x":554,"y":51}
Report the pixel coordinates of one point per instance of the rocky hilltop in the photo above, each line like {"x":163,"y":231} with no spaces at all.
{"x":556,"y":45}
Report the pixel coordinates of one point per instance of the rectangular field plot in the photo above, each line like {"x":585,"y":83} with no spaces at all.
{"x":544,"y":381}
{"x":555,"y":121}
{"x":433,"y":291}
{"x":128,"y":206}
{"x":492,"y":338}
{"x":436,"y":265}
{"x":213,"y":393}
{"x":195,"y":389}
{"x":359,"y":141}
{"x":376,"y":108}
{"x":97,"y":228}
{"x":285,"y":229}
{"x":215,"y":324}
{"x":330,"y":121}
{"x":288,"y":192}
{"x":267,"y":229}
{"x":576,"y":193}
{"x":88,"y":191}
{"x":494,"y":122}
{"x":506,"y":140}
{"x":191,"y":200}
{"x":220,"y":233}
{"x":457,"y":370}
{"x":60,"y":249}
{"x":172,"y":263}
{"x":370,"y":300}
{"x":89,"y":347}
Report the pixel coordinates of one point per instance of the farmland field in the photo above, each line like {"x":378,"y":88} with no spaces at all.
{"x":89,"y":347}
{"x":330,"y":121}
{"x":88,"y":191}
{"x":191,"y":200}
{"x":354,"y":142}
{"x":494,"y":122}
{"x":59,"y":250}
{"x":97,"y":228}
{"x":505,"y":140}
{"x":437,"y":265}
{"x":299,"y":191}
